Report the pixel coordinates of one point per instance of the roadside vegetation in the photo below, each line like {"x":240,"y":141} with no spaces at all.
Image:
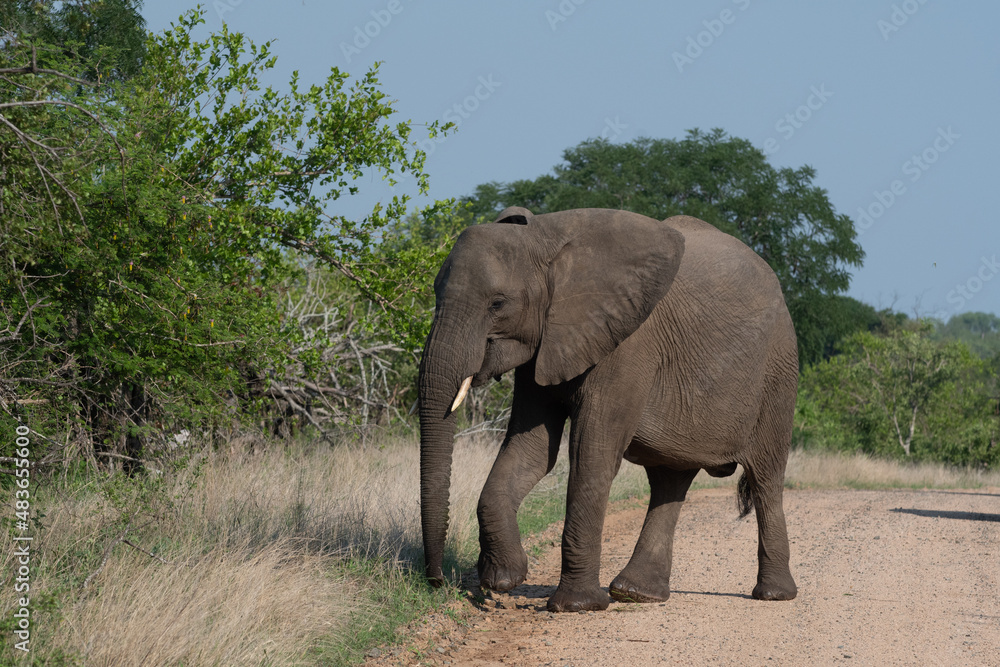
{"x":253,"y":554}
{"x":299,"y":553}
{"x":215,"y":369}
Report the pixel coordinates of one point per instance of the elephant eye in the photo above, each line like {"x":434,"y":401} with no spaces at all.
{"x":496,"y":304}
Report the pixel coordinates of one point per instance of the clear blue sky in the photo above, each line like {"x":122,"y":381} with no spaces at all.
{"x":895,"y":103}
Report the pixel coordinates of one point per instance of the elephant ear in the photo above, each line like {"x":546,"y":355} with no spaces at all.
{"x":514,"y":215}
{"x":603,"y":283}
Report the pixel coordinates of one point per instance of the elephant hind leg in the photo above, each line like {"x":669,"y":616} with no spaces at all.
{"x":762,"y":485}
{"x":646,"y":578}
{"x":774,"y":578}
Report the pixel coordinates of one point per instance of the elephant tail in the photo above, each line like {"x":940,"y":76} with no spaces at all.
{"x":744,"y":495}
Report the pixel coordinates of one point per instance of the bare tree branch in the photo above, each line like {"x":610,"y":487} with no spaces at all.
{"x":106,"y":555}
{"x":33,"y":68}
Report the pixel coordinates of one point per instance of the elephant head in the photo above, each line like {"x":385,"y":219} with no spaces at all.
{"x":561,"y":290}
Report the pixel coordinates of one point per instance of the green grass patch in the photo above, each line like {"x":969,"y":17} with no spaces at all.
{"x":539,"y":511}
{"x":393,"y":597}
{"x":546,"y":504}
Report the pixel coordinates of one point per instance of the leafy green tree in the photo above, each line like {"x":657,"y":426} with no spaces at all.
{"x":727,"y":182}
{"x":821,"y":328}
{"x":107,"y":37}
{"x":980,"y":331}
{"x":151,"y":227}
{"x":902,"y":394}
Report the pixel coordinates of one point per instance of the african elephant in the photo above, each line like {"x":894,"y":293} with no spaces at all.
{"x":665,"y":343}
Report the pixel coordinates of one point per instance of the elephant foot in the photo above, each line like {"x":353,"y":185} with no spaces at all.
{"x":623,"y":590}
{"x":499,"y":576}
{"x":590,"y":600}
{"x":775,"y":590}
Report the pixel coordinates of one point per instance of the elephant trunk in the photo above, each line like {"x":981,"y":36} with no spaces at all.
{"x":443,"y":370}
{"x":436,"y":446}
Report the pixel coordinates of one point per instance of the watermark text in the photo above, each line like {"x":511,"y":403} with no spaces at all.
{"x":566,"y":9}
{"x":915,"y":168}
{"x":364,"y":34}
{"x":461,"y":111}
{"x":964,"y":292}
{"x":696,"y":44}
{"x":899,"y":16}
{"x":792,"y":122}
{"x":22,"y":541}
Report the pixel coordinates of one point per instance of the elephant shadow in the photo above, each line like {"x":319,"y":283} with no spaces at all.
{"x":477,"y":593}
{"x":963,"y":493}
{"x":533,"y":591}
{"x":543,"y":592}
{"x":946,"y":514}
{"x":528,"y":591}
{"x":742,"y":596}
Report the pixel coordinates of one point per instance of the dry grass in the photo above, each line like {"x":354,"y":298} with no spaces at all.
{"x":257,"y":542}
{"x":225,"y":607}
{"x":836,"y":470}
{"x":349,"y":501}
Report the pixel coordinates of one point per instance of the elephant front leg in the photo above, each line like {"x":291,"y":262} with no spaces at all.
{"x":646,"y":578}
{"x":591,"y":472}
{"x":521,"y":463}
{"x":764,"y":483}
{"x":528,"y":453}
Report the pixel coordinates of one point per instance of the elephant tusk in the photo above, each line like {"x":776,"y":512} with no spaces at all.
{"x":462,"y":391}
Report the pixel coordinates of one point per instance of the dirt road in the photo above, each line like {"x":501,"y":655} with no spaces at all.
{"x":885,"y":578}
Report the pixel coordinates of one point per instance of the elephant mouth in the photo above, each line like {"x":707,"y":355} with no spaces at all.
{"x":502,"y":355}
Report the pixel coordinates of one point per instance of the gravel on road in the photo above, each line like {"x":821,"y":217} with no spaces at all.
{"x":893,"y":577}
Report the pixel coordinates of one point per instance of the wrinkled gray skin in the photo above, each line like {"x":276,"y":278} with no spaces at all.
{"x":664,"y":343}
